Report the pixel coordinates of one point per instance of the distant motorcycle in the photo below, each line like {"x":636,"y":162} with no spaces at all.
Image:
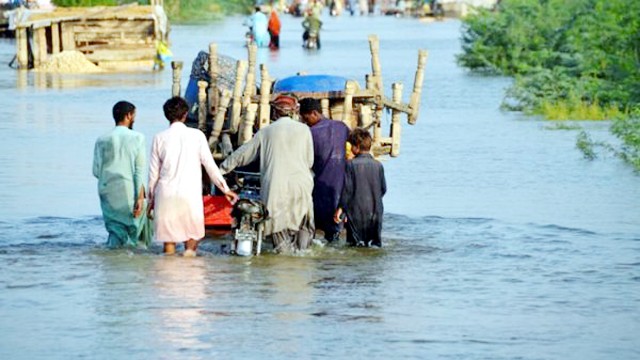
{"x":249,"y":214}
{"x":311,"y":41}
{"x":248,"y":37}
{"x":436,"y":9}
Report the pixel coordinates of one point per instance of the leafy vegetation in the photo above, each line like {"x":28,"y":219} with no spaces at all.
{"x":70,"y":3}
{"x":178,"y":10}
{"x":628,"y":130}
{"x":202,"y":10}
{"x":577,"y":60}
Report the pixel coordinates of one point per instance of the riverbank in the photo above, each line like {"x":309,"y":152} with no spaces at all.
{"x":571,"y":60}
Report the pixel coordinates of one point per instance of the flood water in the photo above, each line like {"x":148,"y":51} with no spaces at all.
{"x":501,"y":241}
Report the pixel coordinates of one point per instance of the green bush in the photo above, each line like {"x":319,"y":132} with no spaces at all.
{"x":576,"y":59}
{"x":203,"y":10}
{"x":80,"y":3}
{"x":591,"y":47}
{"x":178,"y":10}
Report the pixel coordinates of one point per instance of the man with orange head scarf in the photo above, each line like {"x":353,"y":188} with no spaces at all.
{"x":285,"y":150}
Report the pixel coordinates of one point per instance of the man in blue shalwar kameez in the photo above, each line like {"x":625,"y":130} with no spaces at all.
{"x":118,"y":163}
{"x":329,"y":139}
{"x":259,"y":24}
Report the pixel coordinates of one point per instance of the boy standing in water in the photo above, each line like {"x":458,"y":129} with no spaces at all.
{"x":361,"y":199}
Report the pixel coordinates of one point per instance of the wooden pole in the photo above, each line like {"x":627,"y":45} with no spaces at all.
{"x":55,"y":38}
{"x":202,"y":106}
{"x":37,"y":54}
{"x":22,"y":48}
{"x":177,"y":74}
{"x":374,"y":47}
{"x":369,"y":80}
{"x":249,"y":88}
{"x":265,"y":96}
{"x":414,"y":103}
{"x":377,"y":132}
{"x":226,"y":147}
{"x":253,"y":51}
{"x":68,"y":38}
{"x":395,"y":120}
{"x":219,"y":120}
{"x":378,"y":89}
{"x":324,"y":103}
{"x":213,"y":75}
{"x":42,"y":44}
{"x":365,"y":116}
{"x":241,"y":67}
{"x":250,"y":83}
{"x":246,"y":132}
{"x":376,"y":80}
{"x":349,"y":90}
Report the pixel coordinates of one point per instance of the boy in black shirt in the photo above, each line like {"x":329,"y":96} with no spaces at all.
{"x":361,"y":199}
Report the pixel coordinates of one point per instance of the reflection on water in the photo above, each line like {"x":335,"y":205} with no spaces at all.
{"x":179,"y":291}
{"x":466,"y":288}
{"x":291,"y":289}
{"x":42,"y":80}
{"x":501,"y":242}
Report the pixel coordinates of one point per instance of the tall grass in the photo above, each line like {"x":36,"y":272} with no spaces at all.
{"x":574,"y":109}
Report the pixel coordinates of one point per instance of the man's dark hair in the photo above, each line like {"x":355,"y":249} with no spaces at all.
{"x":175,"y":108}
{"x":307,"y":105}
{"x":122,"y":109}
{"x":361,"y":139}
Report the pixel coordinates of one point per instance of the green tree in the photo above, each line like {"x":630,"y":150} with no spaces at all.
{"x":576,"y":59}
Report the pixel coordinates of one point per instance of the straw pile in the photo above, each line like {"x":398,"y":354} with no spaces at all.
{"x":69,"y":62}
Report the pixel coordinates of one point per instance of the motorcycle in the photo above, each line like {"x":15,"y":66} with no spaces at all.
{"x":248,"y":37}
{"x":249,"y":214}
{"x":311,"y":41}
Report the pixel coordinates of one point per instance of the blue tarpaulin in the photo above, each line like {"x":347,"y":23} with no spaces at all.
{"x":310,"y":84}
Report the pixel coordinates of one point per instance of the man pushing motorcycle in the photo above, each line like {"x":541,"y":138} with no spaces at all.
{"x":285,"y":150}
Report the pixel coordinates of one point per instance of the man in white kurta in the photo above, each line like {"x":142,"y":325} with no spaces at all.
{"x":285,"y":148}
{"x":175,"y":180}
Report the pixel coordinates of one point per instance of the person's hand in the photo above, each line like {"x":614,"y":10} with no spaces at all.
{"x":150,"y":210}
{"x":137,"y":207}
{"x":231,"y":197}
{"x":337,"y":216}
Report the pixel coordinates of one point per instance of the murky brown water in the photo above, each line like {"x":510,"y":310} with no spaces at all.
{"x":501,"y":242}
